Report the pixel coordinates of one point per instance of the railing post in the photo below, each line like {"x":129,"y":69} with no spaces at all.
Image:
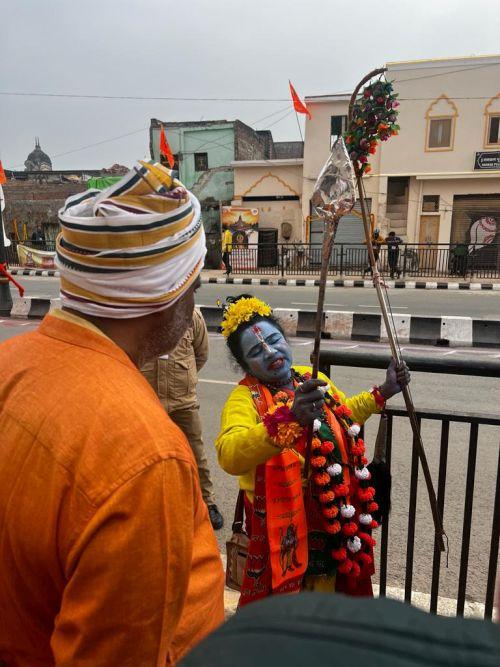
{"x":282,"y":261}
{"x":404,"y":259}
{"x":341,"y":260}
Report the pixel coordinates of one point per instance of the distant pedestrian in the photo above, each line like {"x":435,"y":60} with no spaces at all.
{"x":227,"y":249}
{"x":393,"y":243}
{"x":459,"y":260}
{"x":174,"y":378}
{"x":38,"y":236}
{"x":376,"y":241}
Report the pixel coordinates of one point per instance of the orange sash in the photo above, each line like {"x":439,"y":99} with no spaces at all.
{"x":284,"y":508}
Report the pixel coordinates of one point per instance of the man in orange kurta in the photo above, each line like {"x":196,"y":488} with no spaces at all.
{"x":107,"y":555}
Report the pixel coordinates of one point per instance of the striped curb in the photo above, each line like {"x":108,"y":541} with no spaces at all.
{"x":394,"y":284}
{"x":34,"y":307}
{"x":44,"y":273}
{"x":346,"y":325}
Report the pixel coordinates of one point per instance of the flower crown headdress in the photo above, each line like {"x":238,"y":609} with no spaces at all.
{"x":240,"y":311}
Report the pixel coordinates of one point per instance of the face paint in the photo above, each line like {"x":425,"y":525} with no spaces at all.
{"x":266,"y":353}
{"x":260,"y":338}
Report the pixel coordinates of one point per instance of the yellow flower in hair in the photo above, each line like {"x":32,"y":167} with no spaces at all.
{"x":242,"y":311}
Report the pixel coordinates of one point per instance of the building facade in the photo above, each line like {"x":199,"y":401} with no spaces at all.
{"x":439,"y":180}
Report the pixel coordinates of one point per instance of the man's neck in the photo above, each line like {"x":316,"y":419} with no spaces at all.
{"x":124,"y":333}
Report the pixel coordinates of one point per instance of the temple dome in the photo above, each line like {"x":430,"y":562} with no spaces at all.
{"x":37,"y":160}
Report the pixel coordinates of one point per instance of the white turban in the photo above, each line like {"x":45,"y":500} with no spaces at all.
{"x":132,"y":249}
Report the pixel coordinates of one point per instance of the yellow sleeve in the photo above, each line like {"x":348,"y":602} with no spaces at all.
{"x":363,"y":405}
{"x":242,"y":443}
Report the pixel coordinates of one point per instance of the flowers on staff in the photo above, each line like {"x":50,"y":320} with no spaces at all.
{"x":374,"y":119}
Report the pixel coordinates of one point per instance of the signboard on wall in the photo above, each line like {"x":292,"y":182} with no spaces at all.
{"x":487,"y":161}
{"x":243,"y":223}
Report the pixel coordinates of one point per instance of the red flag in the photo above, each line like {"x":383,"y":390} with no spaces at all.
{"x":165,"y":148}
{"x":298,"y":105}
{"x":3,"y":177}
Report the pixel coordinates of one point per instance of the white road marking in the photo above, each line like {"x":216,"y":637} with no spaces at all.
{"x":446,"y":354}
{"x":315,"y":303}
{"x":347,"y":347}
{"x":308,"y":342}
{"x":233,"y":384}
{"x":365,"y":305}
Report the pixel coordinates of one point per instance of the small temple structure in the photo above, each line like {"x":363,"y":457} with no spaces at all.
{"x":37,"y":160}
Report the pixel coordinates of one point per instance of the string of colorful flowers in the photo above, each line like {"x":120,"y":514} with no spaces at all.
{"x":374,"y":119}
{"x":349,"y":527}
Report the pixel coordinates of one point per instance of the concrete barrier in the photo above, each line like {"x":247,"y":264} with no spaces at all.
{"x":338,"y":325}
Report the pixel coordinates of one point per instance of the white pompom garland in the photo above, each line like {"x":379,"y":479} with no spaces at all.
{"x":354,"y":430}
{"x":365,"y":519}
{"x":334,"y":470}
{"x":362,"y":473}
{"x":354,"y":544}
{"x":348,"y":511}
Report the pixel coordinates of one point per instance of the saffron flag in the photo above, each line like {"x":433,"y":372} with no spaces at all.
{"x":165,"y":148}
{"x":298,"y":105}
{"x":3,"y":177}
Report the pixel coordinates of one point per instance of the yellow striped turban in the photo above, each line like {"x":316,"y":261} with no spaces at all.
{"x":132,"y":249}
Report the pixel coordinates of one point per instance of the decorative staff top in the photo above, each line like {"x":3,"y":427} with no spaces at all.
{"x":334,"y":192}
{"x":373,"y":118}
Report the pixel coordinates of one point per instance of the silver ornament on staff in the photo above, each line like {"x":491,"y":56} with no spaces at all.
{"x":334,"y":195}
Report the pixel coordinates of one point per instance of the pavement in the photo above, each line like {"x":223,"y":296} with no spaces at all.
{"x":479,"y":304}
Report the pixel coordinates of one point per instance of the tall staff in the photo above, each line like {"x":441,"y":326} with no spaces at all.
{"x":372,"y":117}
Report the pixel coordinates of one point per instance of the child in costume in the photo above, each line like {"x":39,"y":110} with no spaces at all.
{"x":312,"y":534}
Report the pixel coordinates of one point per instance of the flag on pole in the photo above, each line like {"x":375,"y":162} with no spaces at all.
{"x":165,"y":148}
{"x":298,"y":105}
{"x":3,"y":177}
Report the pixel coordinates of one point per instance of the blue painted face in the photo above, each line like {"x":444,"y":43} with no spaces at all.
{"x":266,"y":353}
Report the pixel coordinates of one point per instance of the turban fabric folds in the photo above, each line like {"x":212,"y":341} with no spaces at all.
{"x":132,"y":249}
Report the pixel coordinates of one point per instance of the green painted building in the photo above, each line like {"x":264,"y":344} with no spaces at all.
{"x":203,"y":152}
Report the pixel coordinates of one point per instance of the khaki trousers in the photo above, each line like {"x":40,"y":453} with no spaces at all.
{"x":188,"y":420}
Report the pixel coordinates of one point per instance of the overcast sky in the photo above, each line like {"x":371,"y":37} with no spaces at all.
{"x":201,"y":48}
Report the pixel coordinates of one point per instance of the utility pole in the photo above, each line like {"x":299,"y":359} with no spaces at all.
{"x":5,"y":295}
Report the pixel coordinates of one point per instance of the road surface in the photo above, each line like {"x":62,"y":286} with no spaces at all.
{"x":480,"y":304}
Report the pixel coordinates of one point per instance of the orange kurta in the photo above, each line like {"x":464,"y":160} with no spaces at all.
{"x":107,"y":556}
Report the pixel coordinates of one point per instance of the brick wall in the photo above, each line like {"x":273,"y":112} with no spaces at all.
{"x":29,"y":201}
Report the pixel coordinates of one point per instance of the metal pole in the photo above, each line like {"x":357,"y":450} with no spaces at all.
{"x":5,"y":295}
{"x":328,"y":238}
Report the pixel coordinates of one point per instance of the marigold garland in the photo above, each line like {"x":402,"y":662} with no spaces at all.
{"x":347,"y":526}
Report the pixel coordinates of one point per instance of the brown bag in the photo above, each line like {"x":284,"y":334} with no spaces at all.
{"x":237,"y":548}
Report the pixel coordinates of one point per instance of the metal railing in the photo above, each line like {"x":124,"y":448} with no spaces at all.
{"x":487,"y":560}
{"x":411,"y":260}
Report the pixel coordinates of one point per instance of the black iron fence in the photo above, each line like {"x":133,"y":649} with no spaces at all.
{"x":409,"y":260}
{"x":465,"y":454}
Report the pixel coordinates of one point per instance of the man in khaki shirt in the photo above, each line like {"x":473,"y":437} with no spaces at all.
{"x":174,"y":378}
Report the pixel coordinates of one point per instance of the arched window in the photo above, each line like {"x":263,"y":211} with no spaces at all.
{"x":441,"y":119}
{"x":492,"y":122}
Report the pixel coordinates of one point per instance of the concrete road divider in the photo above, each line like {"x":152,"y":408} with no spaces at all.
{"x":339,"y":325}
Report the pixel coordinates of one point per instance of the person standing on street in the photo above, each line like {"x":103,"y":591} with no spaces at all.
{"x":174,"y":379}
{"x":227,"y":249}
{"x":376,"y":241}
{"x":107,"y":555}
{"x":393,"y":243}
